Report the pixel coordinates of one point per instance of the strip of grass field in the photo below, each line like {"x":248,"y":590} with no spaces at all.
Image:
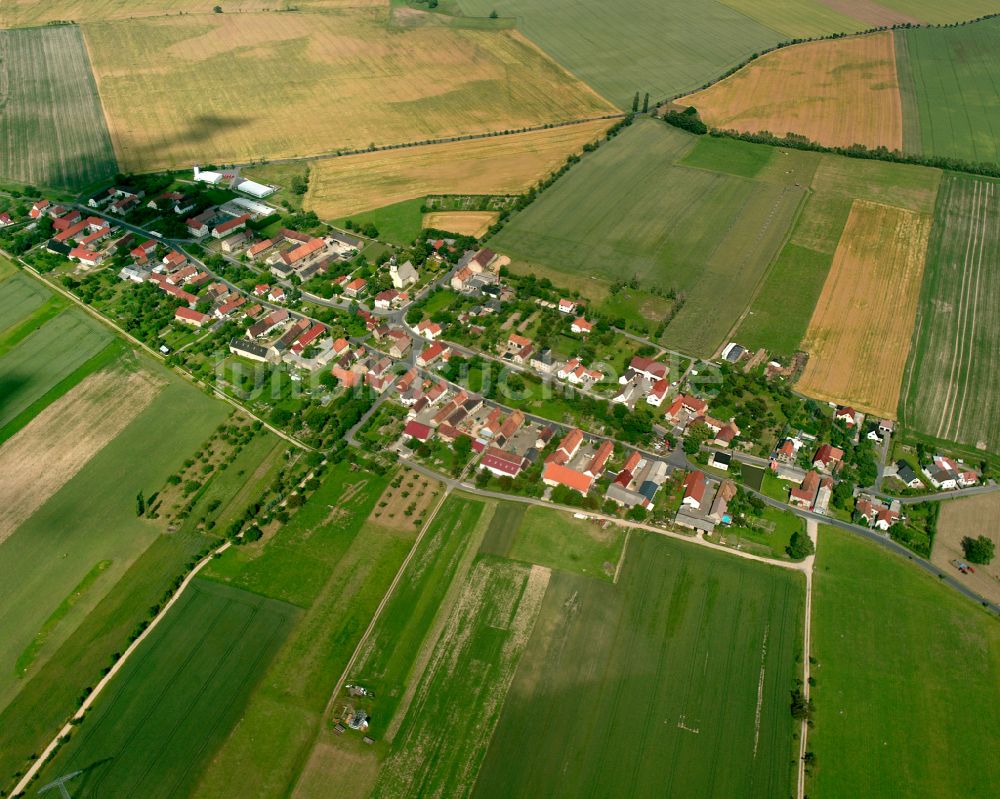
{"x":295,"y":565}
{"x":7,"y":268}
{"x":111,"y":353}
{"x":358,"y":564}
{"x":50,"y":693}
{"x":45,"y":357}
{"x":503,"y":527}
{"x":635,"y":689}
{"x":21,"y":298}
{"x":957,"y":97}
{"x":27,"y":657}
{"x":386,"y":661}
{"x":447,"y":729}
{"x":232,"y":489}
{"x":177,"y":698}
{"x":24,"y":327}
{"x":92,"y":518}
{"x":905,"y":679}
{"x":731,"y":156}
{"x":555,"y":539}
{"x":399,"y":223}
{"x":776,"y":322}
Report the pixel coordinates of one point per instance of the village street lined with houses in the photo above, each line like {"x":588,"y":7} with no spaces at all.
{"x":492,"y":384}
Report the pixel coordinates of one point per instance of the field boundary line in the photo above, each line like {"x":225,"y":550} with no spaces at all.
{"x":155,"y":355}
{"x":490,"y":134}
{"x":812,"y":530}
{"x":806,"y":196}
{"x":385,"y":601}
{"x":115,"y":668}
{"x":621,"y":558}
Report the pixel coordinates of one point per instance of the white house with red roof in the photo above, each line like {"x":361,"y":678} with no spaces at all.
{"x":581,"y":325}
{"x":694,"y":489}
{"x":86,"y":256}
{"x":566,"y":306}
{"x":230,"y":226}
{"x":191,"y":317}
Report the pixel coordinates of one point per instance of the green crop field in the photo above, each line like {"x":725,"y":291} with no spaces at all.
{"x":45,"y":357}
{"x":629,"y":210}
{"x":51,"y":694}
{"x":779,"y":315}
{"x":555,"y":539}
{"x":21,"y":297}
{"x":730,"y":156}
{"x":905,"y":679}
{"x":799,"y":17}
{"x":952,"y":386}
{"x":177,"y":697}
{"x":664,"y":48}
{"x":385,"y":662}
{"x":90,"y":519}
{"x":346,"y":565}
{"x":674,"y":682}
{"x":399,"y":223}
{"x":448,"y":727}
{"x":949,"y":89}
{"x":52,"y":126}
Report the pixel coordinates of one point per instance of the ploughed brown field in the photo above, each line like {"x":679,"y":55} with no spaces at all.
{"x":972,"y":517}
{"x":837,"y":92}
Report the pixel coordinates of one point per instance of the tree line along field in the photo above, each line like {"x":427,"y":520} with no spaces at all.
{"x":52,"y":128}
{"x":340,"y":187}
{"x":634,"y":209}
{"x":950,"y":92}
{"x":838,"y":92}
{"x":177,"y":698}
{"x":232,"y":87}
{"x":952,"y":386}
{"x":925,"y":91}
{"x":888,"y":723}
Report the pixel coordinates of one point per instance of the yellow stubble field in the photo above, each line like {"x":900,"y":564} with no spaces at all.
{"x":497,"y":165}
{"x":858,"y":338}
{"x":224,"y":88}
{"x":837,"y":92}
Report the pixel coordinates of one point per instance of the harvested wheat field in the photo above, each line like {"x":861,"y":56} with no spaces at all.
{"x":497,"y":165}
{"x":972,"y":517}
{"x":838,"y":93}
{"x":859,"y":335}
{"x":43,"y":456}
{"x":228,"y":88}
{"x":464,"y":223}
{"x":22,"y":13}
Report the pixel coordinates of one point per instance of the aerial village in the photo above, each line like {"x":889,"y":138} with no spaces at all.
{"x":439,"y":355}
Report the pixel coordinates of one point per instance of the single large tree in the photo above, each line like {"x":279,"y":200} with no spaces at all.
{"x":979,"y":550}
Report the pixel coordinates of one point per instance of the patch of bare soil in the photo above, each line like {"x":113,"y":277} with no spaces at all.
{"x":55,"y":445}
